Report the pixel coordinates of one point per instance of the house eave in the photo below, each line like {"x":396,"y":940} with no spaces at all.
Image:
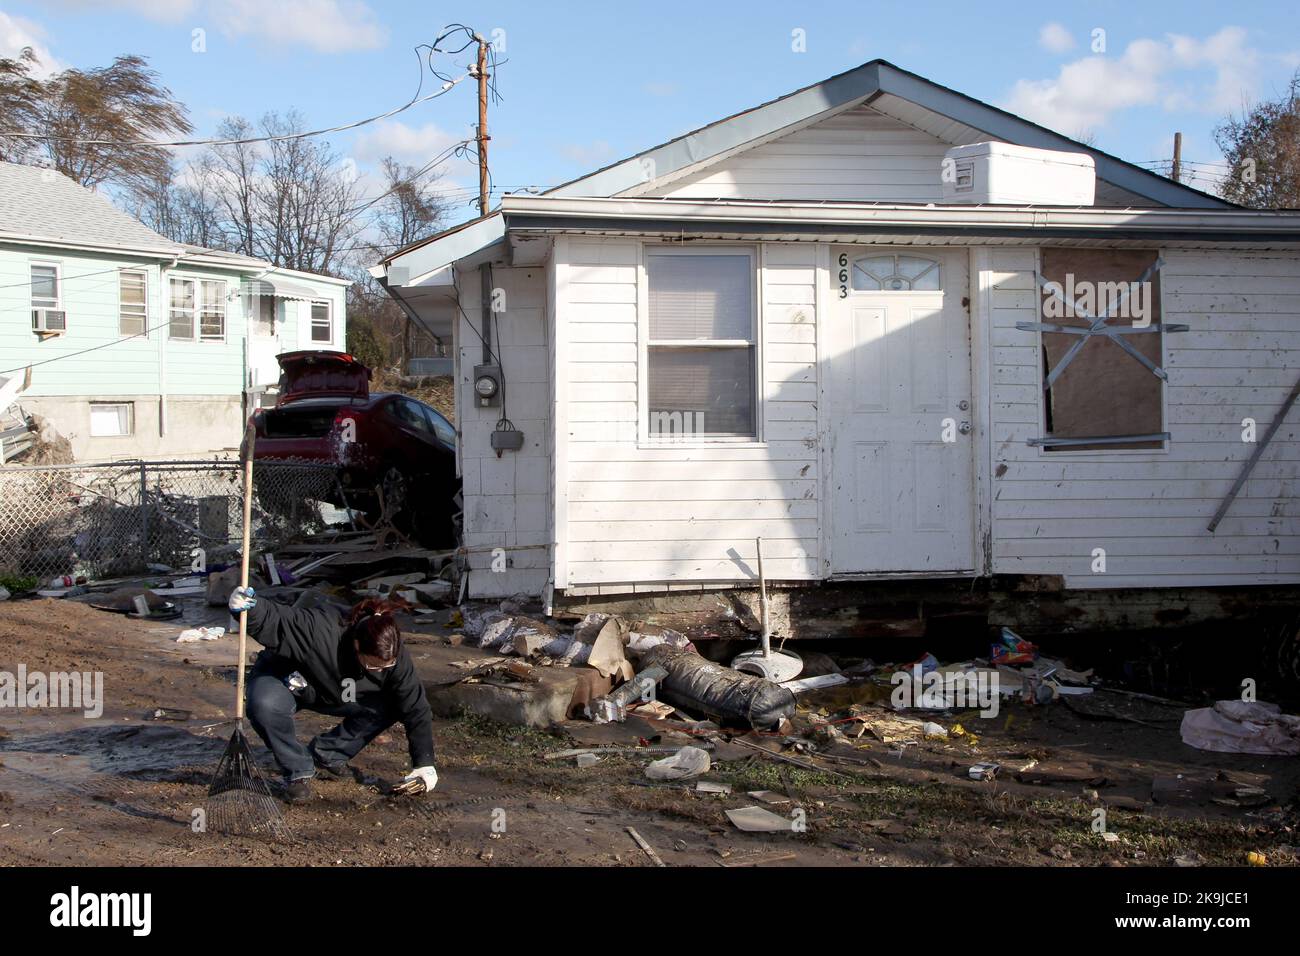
{"x":820,"y":221}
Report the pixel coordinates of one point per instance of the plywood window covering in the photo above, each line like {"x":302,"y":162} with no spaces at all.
{"x":701,"y":346}
{"x":133,"y":308}
{"x":1106,"y":384}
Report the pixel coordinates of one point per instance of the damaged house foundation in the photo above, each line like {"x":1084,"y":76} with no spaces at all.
{"x":945,"y":363}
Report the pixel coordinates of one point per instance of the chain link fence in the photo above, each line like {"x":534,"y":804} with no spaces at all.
{"x":109,"y":520}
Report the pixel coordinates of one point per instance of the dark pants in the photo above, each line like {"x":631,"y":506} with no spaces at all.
{"x":271,"y":708}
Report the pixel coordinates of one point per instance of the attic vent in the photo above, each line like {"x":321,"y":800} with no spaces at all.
{"x":965,"y":177}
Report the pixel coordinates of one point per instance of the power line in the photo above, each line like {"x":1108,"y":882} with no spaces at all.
{"x":448,"y":83}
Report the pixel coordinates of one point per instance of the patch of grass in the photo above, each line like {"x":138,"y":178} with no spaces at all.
{"x":16,"y":583}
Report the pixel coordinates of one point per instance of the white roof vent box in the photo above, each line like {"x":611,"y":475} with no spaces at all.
{"x":1008,"y":175}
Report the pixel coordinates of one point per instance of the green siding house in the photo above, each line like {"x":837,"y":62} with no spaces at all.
{"x":129,"y":345}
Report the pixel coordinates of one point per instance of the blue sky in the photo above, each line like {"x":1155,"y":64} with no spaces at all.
{"x":587,"y":83}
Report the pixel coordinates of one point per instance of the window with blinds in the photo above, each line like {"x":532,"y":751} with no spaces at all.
{"x":700,"y":359}
{"x":133,"y":302}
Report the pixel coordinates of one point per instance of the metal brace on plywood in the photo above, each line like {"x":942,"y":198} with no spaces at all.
{"x":1254,"y":458}
{"x":1098,"y":326}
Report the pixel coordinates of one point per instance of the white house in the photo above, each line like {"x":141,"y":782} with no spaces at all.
{"x":131,"y":345}
{"x":818,"y":323}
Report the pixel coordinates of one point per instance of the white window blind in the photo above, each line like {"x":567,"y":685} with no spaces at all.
{"x":700,"y":378}
{"x":212,"y":311}
{"x":132,"y":302}
{"x":45,"y":287}
{"x":180,"y":312}
{"x":321,"y":330}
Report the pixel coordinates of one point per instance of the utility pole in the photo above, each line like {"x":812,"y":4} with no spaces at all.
{"x":483,"y":190}
{"x":1176,"y":174}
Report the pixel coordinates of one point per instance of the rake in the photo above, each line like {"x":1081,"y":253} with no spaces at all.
{"x":239,"y":799}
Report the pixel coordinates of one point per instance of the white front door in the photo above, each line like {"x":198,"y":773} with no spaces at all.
{"x":899,"y":396}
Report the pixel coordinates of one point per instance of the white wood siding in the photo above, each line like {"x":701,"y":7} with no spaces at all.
{"x":645,"y":517}
{"x":507,"y":499}
{"x":1148,"y":510}
{"x":860,"y":154}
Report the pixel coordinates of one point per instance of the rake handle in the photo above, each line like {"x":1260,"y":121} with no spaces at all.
{"x":249,"y":443}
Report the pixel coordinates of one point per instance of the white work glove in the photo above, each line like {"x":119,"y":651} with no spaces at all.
{"x":241,"y":599}
{"x":425,"y":775}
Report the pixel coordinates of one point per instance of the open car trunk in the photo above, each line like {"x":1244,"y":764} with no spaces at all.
{"x":321,"y":374}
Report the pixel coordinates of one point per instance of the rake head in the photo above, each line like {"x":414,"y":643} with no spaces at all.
{"x":239,"y":800}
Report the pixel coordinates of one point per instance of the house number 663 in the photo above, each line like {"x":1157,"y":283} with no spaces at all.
{"x":844,"y":276}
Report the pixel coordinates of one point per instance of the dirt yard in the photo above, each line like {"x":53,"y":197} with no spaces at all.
{"x":121,"y":789}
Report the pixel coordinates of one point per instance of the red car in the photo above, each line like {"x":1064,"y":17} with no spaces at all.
{"x":326,"y":412}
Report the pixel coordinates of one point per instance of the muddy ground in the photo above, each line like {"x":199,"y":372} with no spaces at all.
{"x":121,"y":789}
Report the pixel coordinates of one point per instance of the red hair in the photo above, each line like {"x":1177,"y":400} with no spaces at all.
{"x":373,"y":627}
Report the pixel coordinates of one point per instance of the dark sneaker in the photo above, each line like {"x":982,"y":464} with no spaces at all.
{"x":299,"y":791}
{"x":337,"y":771}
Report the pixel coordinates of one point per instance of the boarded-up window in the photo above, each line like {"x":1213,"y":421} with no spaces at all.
{"x":700,"y":361}
{"x":1102,"y":391}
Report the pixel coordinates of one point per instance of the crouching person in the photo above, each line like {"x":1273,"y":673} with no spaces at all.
{"x":354,"y":667}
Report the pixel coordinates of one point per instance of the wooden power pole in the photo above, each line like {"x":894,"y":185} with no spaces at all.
{"x":484,"y":193}
{"x":1176,"y":173}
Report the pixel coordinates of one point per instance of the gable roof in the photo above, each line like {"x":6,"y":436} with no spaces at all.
{"x":922,"y":103}
{"x":889,"y":89}
{"x":46,"y":206}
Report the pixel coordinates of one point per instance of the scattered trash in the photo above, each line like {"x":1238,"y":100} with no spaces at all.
{"x":195,"y":634}
{"x":700,"y":685}
{"x":587,"y":760}
{"x":687,"y":763}
{"x":983,"y":771}
{"x":645,"y":847}
{"x":708,"y":786}
{"x":1235,"y":726}
{"x":4,"y":593}
{"x":805,"y":684}
{"x":1012,"y":650}
{"x":613,"y":707}
{"x":167,"y":713}
{"x":770,"y":797}
{"x":1255,"y":858}
{"x":758,"y":820}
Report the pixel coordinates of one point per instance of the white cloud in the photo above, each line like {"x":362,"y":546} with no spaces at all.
{"x":17,"y":33}
{"x":327,"y":26}
{"x":589,"y":154}
{"x":410,"y":145}
{"x":1055,"y":38}
{"x":1169,"y":72}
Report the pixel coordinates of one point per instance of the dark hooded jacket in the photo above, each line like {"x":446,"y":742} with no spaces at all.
{"x":314,"y":642}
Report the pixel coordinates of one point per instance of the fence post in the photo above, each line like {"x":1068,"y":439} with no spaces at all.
{"x":144,"y":517}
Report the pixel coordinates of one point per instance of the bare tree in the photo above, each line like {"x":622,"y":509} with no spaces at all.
{"x":91,"y":125}
{"x":409,"y":208}
{"x":1262,"y":147}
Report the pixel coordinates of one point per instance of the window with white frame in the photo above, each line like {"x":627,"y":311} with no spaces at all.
{"x":197,"y":309}
{"x":701,"y":346}
{"x":112,"y":419}
{"x":322,"y":325}
{"x":133,"y":301}
{"x":45,"y":285}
